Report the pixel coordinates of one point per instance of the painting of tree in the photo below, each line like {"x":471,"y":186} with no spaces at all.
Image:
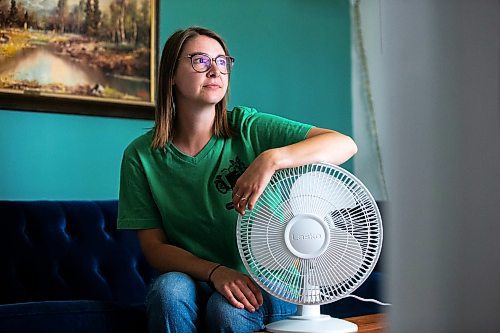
{"x":102,"y":50}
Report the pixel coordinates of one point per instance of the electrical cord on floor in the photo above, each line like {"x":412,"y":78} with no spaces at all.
{"x":368,"y":300}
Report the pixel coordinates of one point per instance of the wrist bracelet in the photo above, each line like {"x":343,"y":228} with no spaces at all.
{"x":212,"y":272}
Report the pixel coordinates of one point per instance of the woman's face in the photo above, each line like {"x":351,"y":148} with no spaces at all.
{"x":199,"y":89}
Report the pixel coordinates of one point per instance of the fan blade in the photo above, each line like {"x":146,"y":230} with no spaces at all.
{"x":262,"y":238}
{"x":342,"y":260}
{"x":259,"y":243}
{"x":319,"y":193}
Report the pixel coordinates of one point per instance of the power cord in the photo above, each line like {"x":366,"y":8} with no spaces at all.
{"x":368,"y":300}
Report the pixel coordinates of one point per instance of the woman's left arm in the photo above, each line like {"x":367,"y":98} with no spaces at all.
{"x":320,"y":145}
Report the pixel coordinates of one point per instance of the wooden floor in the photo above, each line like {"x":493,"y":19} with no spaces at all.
{"x":374,"y":323}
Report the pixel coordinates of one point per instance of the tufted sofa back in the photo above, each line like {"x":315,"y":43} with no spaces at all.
{"x":68,"y":250}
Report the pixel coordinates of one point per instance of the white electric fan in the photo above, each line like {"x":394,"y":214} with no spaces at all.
{"x":313,"y":237}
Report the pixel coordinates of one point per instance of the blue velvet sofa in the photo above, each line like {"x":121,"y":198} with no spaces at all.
{"x":65,"y":268}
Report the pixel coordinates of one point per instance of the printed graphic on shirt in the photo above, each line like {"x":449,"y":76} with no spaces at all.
{"x":227,"y":177}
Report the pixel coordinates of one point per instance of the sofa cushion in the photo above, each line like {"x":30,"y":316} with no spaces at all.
{"x":72,"y":316}
{"x":67,"y":250}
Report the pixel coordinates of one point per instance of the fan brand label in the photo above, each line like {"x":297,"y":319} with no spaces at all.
{"x":306,"y":236}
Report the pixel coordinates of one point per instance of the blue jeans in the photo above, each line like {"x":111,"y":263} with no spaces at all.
{"x":177,"y":303}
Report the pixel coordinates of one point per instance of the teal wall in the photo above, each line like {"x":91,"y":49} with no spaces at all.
{"x":292,"y":59}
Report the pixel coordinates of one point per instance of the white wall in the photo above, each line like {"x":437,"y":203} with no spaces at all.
{"x":439,"y":111}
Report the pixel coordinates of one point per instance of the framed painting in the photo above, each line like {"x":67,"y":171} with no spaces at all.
{"x":92,"y":57}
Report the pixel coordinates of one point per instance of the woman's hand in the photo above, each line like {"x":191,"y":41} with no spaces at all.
{"x":237,"y":288}
{"x":253,"y":181}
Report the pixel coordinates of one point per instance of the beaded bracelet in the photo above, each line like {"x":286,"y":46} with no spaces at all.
{"x":210,"y":275}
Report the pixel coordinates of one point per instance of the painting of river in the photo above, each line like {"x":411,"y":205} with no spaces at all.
{"x":89,"y":49}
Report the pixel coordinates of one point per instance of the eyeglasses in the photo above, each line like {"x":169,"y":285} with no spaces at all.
{"x":202,"y":62}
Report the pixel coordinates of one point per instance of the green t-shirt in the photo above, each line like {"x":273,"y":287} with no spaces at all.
{"x":191,"y":197}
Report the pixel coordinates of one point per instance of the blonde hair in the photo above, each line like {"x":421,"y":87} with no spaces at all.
{"x":165,"y":101}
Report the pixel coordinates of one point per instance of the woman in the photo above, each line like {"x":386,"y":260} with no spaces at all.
{"x":183,"y":183}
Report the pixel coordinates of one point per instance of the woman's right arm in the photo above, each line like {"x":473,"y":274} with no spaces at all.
{"x":238,"y":288}
{"x":166,"y":258}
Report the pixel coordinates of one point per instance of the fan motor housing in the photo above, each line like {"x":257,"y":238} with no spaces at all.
{"x":307,"y":236}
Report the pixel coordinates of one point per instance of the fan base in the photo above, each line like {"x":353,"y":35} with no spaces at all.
{"x":319,"y":325}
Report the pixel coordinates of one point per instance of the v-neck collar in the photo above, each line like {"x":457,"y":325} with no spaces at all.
{"x":198,"y":157}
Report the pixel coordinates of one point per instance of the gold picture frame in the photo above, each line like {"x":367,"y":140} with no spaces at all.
{"x":89,"y":57}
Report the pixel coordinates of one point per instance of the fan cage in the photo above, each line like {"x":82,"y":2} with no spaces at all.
{"x":353,"y":220}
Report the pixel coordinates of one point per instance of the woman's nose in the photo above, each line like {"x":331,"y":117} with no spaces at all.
{"x":213,"y":71}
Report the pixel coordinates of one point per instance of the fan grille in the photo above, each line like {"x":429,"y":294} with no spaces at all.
{"x":338,"y":249}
